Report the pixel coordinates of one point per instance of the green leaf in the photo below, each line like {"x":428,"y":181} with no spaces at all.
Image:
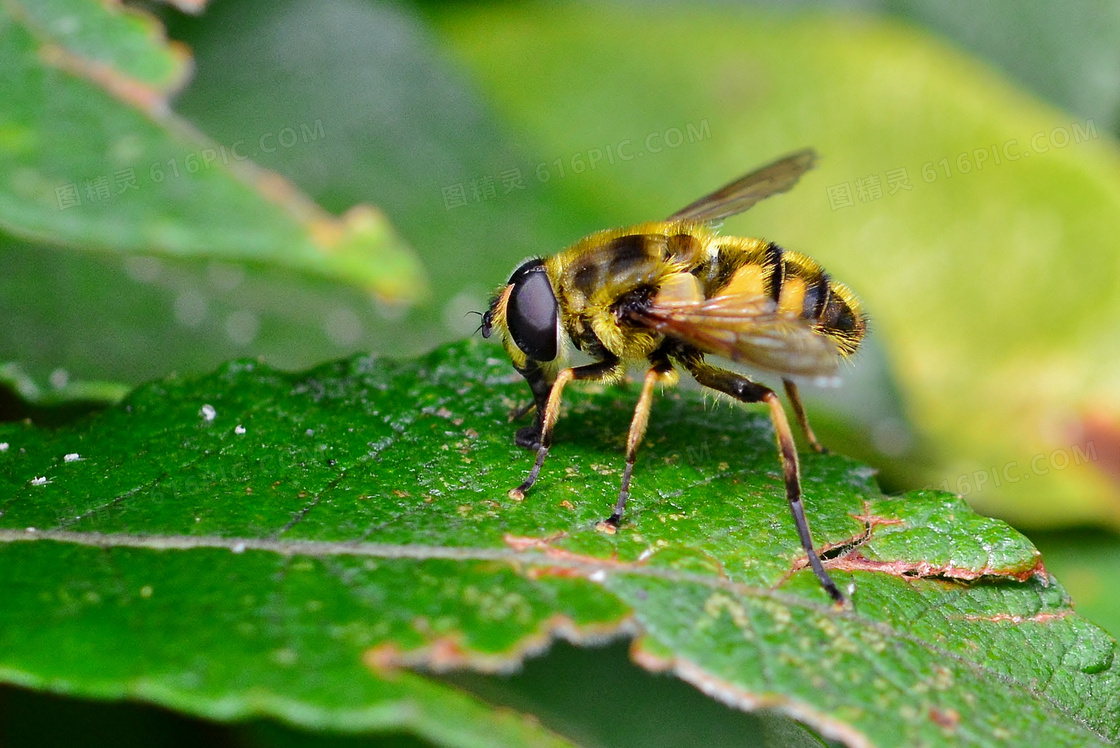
{"x":91,"y":158}
{"x":1009,"y":210}
{"x":292,"y":545}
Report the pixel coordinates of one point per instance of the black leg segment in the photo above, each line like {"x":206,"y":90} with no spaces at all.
{"x":529,"y":437}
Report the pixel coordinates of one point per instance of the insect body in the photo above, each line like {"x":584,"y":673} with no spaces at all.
{"x":670,"y":293}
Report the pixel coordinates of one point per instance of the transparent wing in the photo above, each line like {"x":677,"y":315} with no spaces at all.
{"x":746,"y":191}
{"x":750,"y":330}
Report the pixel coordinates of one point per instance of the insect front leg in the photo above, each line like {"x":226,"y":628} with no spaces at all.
{"x":600,"y":370}
{"x":660,"y":371}
{"x":744,"y":390}
{"x":529,"y":437}
{"x":802,"y":418}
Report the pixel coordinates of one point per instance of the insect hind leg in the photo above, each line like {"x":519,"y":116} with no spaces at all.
{"x":802,"y":418}
{"x":744,"y":390}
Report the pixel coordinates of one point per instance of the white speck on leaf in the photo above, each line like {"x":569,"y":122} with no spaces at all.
{"x":72,"y":457}
{"x":40,"y":481}
{"x":598,"y":576}
{"x":239,"y":429}
{"x":4,"y":446}
{"x":208,"y":412}
{"x":238,"y":548}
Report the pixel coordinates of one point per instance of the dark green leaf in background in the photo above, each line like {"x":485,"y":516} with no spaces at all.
{"x":256,"y":543}
{"x":216,"y":233}
{"x":94,"y":160}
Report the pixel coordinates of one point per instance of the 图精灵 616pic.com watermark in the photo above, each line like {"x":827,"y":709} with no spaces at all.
{"x":101,"y":188}
{"x":875,"y":186}
{"x":507,"y":181}
{"x":1016,"y":471}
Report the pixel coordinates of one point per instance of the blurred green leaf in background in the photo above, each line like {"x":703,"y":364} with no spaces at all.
{"x":298,"y":181}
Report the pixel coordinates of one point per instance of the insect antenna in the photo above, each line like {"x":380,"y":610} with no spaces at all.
{"x":481,"y":323}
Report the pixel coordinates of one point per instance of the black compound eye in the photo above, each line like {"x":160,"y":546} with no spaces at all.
{"x":532,"y":313}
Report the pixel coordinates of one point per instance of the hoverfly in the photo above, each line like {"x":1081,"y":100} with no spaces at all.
{"x":668,"y":294}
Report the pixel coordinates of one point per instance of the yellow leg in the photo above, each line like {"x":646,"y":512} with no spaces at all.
{"x":657,"y":373}
{"x":591,"y":372}
{"x":802,"y":418}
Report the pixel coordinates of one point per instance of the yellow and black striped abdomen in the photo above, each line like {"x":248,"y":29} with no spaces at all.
{"x":797,"y":283}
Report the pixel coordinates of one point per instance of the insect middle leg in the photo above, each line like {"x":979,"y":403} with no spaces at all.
{"x":802,"y":418}
{"x":598,"y":371}
{"x":744,"y":390}
{"x":661,"y":371}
